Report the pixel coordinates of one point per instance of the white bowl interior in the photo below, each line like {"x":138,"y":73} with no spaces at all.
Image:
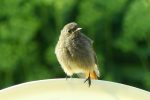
{"x":72,"y":89}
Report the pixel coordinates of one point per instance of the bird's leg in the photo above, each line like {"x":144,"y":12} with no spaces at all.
{"x":89,"y":80}
{"x":68,"y":77}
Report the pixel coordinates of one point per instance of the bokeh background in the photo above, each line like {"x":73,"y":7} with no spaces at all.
{"x":29,"y":30}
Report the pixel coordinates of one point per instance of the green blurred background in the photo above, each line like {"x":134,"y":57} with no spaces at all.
{"x":29,"y":30}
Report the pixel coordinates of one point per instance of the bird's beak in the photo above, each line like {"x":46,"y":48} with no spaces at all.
{"x":78,"y":29}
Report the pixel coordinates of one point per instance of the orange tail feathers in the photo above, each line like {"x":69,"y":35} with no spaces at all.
{"x":92,"y":75}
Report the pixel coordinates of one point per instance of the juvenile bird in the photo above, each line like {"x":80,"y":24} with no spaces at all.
{"x":75,"y":53}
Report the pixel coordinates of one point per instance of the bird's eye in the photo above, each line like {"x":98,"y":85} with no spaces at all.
{"x":69,"y":31}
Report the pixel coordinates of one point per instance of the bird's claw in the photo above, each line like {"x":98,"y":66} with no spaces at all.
{"x":89,"y":80}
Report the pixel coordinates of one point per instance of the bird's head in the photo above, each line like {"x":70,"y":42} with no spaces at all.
{"x":71,"y":28}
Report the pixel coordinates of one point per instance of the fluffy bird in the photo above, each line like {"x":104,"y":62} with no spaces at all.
{"x":75,"y":53}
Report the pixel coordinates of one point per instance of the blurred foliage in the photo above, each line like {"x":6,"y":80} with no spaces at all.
{"x":29,"y":30}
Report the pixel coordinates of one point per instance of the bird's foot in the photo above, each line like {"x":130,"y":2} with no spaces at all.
{"x":68,"y":77}
{"x":89,"y":80}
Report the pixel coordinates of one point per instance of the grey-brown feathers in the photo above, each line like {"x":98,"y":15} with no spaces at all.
{"x":74,"y":51}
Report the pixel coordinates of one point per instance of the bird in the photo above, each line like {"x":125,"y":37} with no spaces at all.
{"x":75,"y":53}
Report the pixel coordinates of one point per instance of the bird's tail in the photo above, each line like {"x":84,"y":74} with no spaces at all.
{"x":92,"y":74}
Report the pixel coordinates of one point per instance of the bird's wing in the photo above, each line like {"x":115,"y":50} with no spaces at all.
{"x":90,"y":41}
